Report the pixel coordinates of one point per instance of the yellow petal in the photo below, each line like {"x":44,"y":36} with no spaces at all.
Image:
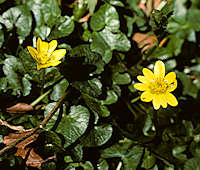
{"x":33,"y":52}
{"x":39,"y":41}
{"x":171,"y":99}
{"x":49,"y":64}
{"x":44,"y":46}
{"x":146,"y":96}
{"x":141,"y":86}
{"x":52,"y":46}
{"x":163,"y":101}
{"x":170,"y":77}
{"x":142,"y":79}
{"x":159,"y":69}
{"x":38,"y":66}
{"x":58,"y":54}
{"x":171,"y":87}
{"x":54,"y":63}
{"x":148,"y":73}
{"x":156,"y":101}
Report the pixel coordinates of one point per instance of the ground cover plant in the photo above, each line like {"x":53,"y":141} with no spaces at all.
{"x":100,"y":84}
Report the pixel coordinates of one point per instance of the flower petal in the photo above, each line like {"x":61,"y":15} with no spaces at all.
{"x":170,"y":77}
{"x":156,"y":101}
{"x":146,"y":96}
{"x":58,"y":54}
{"x":39,"y":42}
{"x":142,"y":79}
{"x":171,"y":99}
{"x":141,"y":86}
{"x":148,"y":73}
{"x":159,"y":69}
{"x":54,"y":63}
{"x":52,"y":46}
{"x":163,"y":101}
{"x":171,"y":87}
{"x":42,"y":46}
{"x":33,"y":52}
{"x":50,"y":64}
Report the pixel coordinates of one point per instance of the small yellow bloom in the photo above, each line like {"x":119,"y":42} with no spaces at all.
{"x":157,"y":86}
{"x":46,"y":55}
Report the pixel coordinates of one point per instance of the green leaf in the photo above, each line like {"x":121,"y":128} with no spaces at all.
{"x":188,"y":87}
{"x":177,"y":152}
{"x":111,"y":98}
{"x":105,"y":42}
{"x":72,"y":126}
{"x":59,"y":89}
{"x":1,"y":36}
{"x":42,"y":31}
{"x":91,"y":6}
{"x":129,"y":153}
{"x":192,"y":164}
{"x":97,"y":136}
{"x":193,"y":16}
{"x":87,"y":165}
{"x":148,"y":162}
{"x":64,"y":26}
{"x":17,"y":81}
{"x":20,"y":17}
{"x":96,"y":106}
{"x":105,"y":16}
{"x":26,"y":85}
{"x":46,"y":12}
{"x":121,"y":79}
{"x":91,"y":87}
{"x":1,"y":1}
{"x":132,"y":158}
{"x":79,"y":9}
{"x":115,"y":2}
{"x":102,"y":165}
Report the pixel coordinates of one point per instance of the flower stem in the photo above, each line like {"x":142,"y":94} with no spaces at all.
{"x":131,"y":109}
{"x":119,"y":166}
{"x":40,"y":98}
{"x":155,"y":121}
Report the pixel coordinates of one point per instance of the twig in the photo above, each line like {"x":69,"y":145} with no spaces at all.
{"x":18,"y":128}
{"x":36,"y":129}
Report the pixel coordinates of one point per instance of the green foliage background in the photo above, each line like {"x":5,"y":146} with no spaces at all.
{"x":102,"y":123}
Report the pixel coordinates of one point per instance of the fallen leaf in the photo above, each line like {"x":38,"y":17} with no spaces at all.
{"x":85,"y":18}
{"x":18,"y":128}
{"x":33,"y":159}
{"x":20,"y":108}
{"x":164,"y":40}
{"x":144,"y":41}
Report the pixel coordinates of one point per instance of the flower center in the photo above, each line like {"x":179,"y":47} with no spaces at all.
{"x":43,"y":58}
{"x":158,"y":86}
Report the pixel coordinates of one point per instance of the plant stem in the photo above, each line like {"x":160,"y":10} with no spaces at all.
{"x":40,"y":98}
{"x":155,"y":121}
{"x":131,"y":109}
{"x":119,"y":166}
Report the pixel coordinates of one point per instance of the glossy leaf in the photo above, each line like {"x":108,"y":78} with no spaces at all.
{"x":72,"y":126}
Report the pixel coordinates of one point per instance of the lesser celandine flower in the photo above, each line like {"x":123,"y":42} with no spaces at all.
{"x":157,"y":87}
{"x":46,"y":55}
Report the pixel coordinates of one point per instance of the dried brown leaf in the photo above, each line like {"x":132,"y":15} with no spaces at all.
{"x":144,"y":41}
{"x":33,"y":159}
{"x":20,"y":108}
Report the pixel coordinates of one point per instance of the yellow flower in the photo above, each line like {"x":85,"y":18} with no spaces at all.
{"x":157,"y":86}
{"x":46,"y":55}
